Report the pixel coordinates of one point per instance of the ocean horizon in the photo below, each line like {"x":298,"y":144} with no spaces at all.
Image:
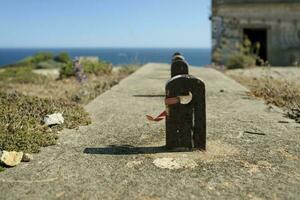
{"x":116,"y":56}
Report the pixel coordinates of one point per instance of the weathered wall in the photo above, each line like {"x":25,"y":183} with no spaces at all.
{"x":282,"y":21}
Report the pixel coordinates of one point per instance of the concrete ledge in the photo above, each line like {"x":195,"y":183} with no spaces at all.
{"x":120,"y":155}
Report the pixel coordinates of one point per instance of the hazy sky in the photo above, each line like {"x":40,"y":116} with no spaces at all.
{"x":105,"y":23}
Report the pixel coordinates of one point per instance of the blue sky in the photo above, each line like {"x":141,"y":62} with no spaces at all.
{"x":105,"y":23}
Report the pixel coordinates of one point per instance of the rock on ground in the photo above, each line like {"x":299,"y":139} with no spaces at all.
{"x":11,"y":158}
{"x":175,"y":163}
{"x":27,"y":157}
{"x":54,"y":119}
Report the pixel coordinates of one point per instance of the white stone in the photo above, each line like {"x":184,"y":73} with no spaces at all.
{"x":11,"y":158}
{"x":27,"y":157}
{"x":175,"y":163}
{"x":132,"y":164}
{"x":54,"y":119}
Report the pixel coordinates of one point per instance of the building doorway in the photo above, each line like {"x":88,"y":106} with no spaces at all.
{"x":258,"y":35}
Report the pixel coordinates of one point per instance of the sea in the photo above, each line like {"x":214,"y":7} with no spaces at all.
{"x":116,"y":56}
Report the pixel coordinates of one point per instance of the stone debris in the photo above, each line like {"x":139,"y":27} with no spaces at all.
{"x":133,"y":164}
{"x":11,"y":158}
{"x":54,"y":119}
{"x":27,"y":157}
{"x":175,"y":163}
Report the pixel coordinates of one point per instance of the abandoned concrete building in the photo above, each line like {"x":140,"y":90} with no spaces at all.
{"x":274,"y":24}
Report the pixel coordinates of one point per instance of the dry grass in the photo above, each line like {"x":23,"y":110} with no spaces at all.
{"x":278,"y":92}
{"x":25,"y":98}
{"x":21,"y":121}
{"x":21,"y":75}
{"x":68,"y":89}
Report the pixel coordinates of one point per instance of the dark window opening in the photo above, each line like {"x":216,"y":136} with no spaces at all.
{"x":258,"y":36}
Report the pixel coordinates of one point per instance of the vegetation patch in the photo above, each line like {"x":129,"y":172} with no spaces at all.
{"x":240,"y":60}
{"x":39,"y":57}
{"x":32,"y":61}
{"x":245,"y":54}
{"x":22,"y":75}
{"x":90,"y":67}
{"x":21,"y":121}
{"x":26,"y":98}
{"x":63,"y":58}
{"x":96,"y":68}
{"x":41,"y":60}
{"x":281,"y":93}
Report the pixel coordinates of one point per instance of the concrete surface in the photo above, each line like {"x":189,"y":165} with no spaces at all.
{"x":291,"y":74}
{"x":253,"y":151}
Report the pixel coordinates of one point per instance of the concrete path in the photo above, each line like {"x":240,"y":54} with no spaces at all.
{"x":253,"y":151}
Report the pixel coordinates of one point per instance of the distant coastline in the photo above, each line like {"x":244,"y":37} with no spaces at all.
{"x":116,"y":56}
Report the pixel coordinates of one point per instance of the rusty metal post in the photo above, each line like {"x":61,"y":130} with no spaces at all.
{"x":179,"y":65}
{"x":185,"y":121}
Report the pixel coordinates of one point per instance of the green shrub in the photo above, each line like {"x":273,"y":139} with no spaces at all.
{"x":21,"y":75}
{"x":97,"y":68}
{"x":21,"y":126}
{"x":66,"y":71}
{"x":34,"y":61}
{"x":63,"y":58}
{"x":39,"y":57}
{"x":89,"y":67}
{"x":240,"y":60}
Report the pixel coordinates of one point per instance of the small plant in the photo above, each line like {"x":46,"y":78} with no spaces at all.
{"x":97,"y":68}
{"x":240,"y":60}
{"x":63,"y":58}
{"x":245,"y":56}
{"x":89,"y":67}
{"x":66,"y":71}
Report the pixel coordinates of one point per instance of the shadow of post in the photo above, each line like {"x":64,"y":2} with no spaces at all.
{"x":150,"y":95}
{"x":129,"y":150}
